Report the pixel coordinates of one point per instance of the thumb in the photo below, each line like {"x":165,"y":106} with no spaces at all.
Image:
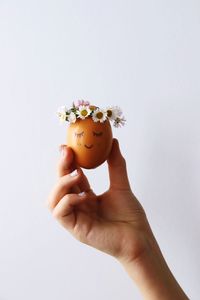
{"x":117,"y":168}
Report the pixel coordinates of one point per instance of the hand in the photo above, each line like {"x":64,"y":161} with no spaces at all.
{"x":113,"y":222}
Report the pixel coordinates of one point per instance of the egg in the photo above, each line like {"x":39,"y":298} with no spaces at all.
{"x":91,"y":142}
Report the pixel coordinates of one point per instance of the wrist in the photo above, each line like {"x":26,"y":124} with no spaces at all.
{"x":151,"y":273}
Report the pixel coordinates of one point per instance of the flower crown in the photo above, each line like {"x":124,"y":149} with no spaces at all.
{"x":83,"y":109}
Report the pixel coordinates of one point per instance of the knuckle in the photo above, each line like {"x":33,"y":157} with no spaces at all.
{"x":48,"y":202}
{"x":67,"y":179}
{"x":61,"y":181}
{"x":56,"y":214}
{"x":59,"y":211}
{"x":48,"y":205}
{"x":67,"y":197}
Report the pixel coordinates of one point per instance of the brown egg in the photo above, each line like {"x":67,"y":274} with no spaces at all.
{"x":91,"y":142}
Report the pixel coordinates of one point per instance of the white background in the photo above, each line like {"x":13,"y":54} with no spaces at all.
{"x":140,"y":55}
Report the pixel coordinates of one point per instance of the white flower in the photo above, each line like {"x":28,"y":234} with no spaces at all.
{"x":62,"y":109}
{"x":99,"y":115}
{"x":117,"y":112}
{"x":61,"y":113}
{"x":83,"y":109}
{"x":111,"y":113}
{"x":83,"y":112}
{"x":62,"y":117}
{"x":119,"y":122}
{"x":71,"y":117}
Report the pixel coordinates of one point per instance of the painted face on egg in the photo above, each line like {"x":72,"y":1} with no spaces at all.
{"x":91,"y":142}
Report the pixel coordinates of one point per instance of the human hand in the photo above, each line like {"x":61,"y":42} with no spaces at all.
{"x":113,"y":222}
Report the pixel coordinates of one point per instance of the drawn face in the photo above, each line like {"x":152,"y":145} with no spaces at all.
{"x":90,"y":141}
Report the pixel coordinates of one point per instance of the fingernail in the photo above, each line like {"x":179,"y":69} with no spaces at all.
{"x":74,"y":173}
{"x":82,"y":194}
{"x":63,"y":152}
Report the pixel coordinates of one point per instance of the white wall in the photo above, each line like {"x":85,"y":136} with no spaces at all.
{"x":141,"y":55}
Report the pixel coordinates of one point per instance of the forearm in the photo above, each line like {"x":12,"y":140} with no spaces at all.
{"x":152,"y":275}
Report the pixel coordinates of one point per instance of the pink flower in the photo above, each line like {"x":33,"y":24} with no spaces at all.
{"x":79,"y":103}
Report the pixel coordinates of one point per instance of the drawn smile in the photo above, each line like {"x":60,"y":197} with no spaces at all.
{"x":89,"y":147}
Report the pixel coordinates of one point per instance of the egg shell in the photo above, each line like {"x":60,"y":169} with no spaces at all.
{"x":91,"y":142}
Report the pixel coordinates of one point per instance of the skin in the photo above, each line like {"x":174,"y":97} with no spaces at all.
{"x":113,"y":222}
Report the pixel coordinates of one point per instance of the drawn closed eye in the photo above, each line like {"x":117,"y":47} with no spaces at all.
{"x":97,"y":133}
{"x":79,"y":135}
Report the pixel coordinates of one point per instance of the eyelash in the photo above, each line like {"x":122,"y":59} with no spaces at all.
{"x":97,"y":133}
{"x":79,"y":135}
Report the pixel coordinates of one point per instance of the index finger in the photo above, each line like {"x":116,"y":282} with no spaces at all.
{"x":66,"y":162}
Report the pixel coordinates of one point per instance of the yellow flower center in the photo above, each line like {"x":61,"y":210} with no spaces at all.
{"x":84,"y":112}
{"x":109,"y":113}
{"x":99,"y":115}
{"x":92,"y":107}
